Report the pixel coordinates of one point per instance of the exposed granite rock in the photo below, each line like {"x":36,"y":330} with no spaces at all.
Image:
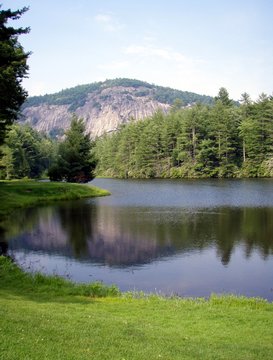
{"x":103,"y":112}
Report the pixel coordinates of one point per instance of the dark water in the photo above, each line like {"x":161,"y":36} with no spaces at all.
{"x":190,"y":238}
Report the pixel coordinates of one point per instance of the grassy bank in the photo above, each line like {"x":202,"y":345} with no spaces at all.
{"x":16,"y":194}
{"x":49,"y":318}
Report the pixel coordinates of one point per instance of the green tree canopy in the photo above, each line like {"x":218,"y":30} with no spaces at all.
{"x":13,"y":68}
{"x":223,"y":97}
{"x":222,"y":140}
{"x":25,"y":153}
{"x":75,"y":161}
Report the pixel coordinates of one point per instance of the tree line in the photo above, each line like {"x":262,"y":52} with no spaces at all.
{"x":220,"y":140}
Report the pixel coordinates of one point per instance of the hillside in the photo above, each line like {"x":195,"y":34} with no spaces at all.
{"x":103,"y":105}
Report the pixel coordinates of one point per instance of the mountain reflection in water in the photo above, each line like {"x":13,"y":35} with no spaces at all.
{"x":122,"y":236}
{"x":189,"y":237}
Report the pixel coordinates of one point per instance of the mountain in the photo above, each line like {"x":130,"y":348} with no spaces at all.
{"x":104,"y":106}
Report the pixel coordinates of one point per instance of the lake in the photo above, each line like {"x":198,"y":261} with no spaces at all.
{"x":184,"y":237}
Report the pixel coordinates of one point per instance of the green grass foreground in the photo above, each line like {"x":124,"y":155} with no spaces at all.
{"x":50,"y":318}
{"x":16,"y":194}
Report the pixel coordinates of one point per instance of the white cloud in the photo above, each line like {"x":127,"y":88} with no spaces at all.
{"x":157,"y":52}
{"x":108,"y":23}
{"x":168,"y":67}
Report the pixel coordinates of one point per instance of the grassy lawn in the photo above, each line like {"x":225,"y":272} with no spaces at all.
{"x":49,"y":318}
{"x":16,"y":194}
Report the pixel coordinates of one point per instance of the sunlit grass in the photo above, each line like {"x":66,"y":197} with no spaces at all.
{"x":16,"y":194}
{"x":48,"y":318}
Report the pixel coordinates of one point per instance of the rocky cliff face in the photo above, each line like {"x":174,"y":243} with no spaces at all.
{"x":104,"y":106}
{"x":103,"y":112}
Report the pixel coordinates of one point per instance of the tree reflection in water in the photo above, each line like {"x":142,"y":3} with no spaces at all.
{"x":77,"y":220}
{"x":134,"y":236}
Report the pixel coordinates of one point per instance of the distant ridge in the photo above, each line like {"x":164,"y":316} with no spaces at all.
{"x":103,"y":105}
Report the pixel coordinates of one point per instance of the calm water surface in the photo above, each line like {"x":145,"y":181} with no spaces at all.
{"x":190,"y":238}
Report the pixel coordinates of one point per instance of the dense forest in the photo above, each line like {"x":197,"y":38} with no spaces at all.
{"x":27,"y":153}
{"x":219,"y":140}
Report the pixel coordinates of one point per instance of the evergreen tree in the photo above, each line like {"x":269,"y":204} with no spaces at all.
{"x":264,"y":115}
{"x":170,"y":130}
{"x":75,"y":161}
{"x":125,"y":156}
{"x":13,"y":68}
{"x":223,"y":140}
{"x":223,"y":97}
{"x":223,"y":130}
{"x":149,"y":152}
{"x":105,"y":147}
{"x":244,"y":112}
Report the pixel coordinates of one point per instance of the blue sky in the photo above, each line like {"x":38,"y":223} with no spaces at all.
{"x":190,"y":45}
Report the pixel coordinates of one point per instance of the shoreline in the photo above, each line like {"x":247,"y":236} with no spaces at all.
{"x":66,"y":320}
{"x":16,"y":194}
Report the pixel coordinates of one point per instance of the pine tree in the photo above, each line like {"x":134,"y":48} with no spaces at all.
{"x":13,"y":68}
{"x":75,"y":161}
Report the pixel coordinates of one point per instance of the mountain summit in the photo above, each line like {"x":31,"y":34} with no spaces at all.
{"x":104,"y":106}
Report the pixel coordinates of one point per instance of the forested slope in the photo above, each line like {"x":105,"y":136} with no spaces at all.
{"x":223,"y":140}
{"x":77,"y":96}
